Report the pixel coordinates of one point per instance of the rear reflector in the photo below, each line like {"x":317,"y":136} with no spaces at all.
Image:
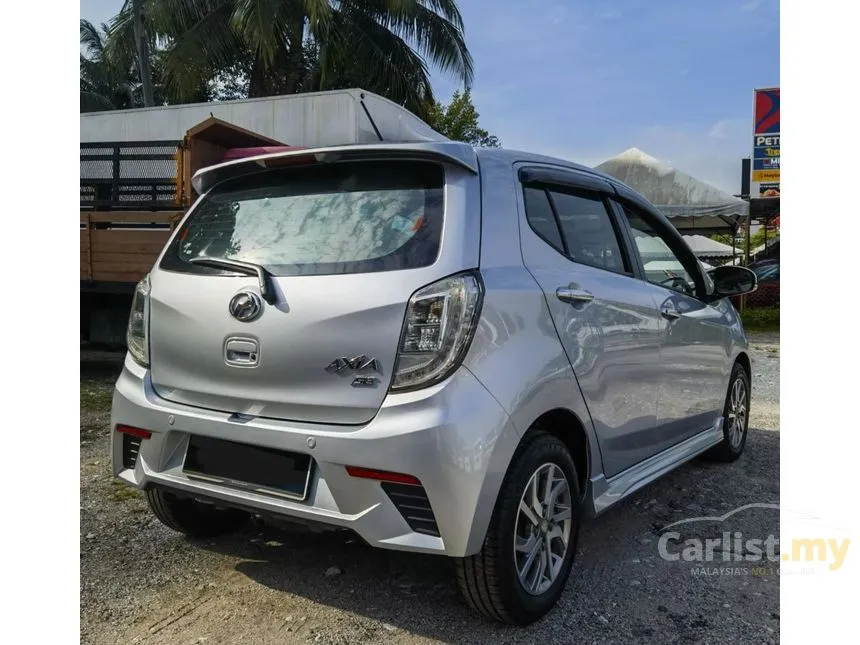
{"x":134,"y":432}
{"x":382,"y":475}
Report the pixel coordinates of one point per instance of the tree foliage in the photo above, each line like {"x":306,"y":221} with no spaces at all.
{"x":459,"y":121}
{"x":106,"y":84}
{"x":757,"y":239}
{"x":110,"y":75}
{"x":238,"y":48}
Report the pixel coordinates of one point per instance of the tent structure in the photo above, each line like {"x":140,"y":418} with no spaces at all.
{"x":690,"y":204}
{"x":654,"y":249}
{"x":670,"y":266}
{"x":705,"y":247}
{"x":659,"y":260}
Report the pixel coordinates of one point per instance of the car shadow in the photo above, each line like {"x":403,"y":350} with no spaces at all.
{"x":411,"y":592}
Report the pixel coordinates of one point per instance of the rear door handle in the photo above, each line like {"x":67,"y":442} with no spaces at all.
{"x":670,"y":312}
{"x":572,"y":294}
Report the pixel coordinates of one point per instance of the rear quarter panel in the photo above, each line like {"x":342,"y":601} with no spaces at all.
{"x":516,"y":352}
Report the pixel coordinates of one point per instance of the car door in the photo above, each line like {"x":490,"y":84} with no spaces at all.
{"x":694,"y":336}
{"x":608,"y":324}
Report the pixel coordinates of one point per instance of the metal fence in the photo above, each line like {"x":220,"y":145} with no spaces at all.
{"x":130,"y":175}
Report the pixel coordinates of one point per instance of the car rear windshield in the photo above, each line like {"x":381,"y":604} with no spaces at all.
{"x":355,"y":217}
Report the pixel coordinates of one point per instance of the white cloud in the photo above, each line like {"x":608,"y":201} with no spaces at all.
{"x":556,"y":14}
{"x":609,"y":14}
{"x":752,"y":5}
{"x":730,"y":128}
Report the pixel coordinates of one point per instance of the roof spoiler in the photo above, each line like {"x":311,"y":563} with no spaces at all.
{"x":459,"y":154}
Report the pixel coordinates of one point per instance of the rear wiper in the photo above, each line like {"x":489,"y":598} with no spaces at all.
{"x":266,"y":289}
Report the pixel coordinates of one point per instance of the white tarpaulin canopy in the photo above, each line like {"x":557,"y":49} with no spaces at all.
{"x":691,"y":205}
{"x":670,"y":265}
{"x":705,"y":247}
{"x":655,"y":253}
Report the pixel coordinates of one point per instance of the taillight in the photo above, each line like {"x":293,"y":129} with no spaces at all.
{"x":137,"y":336}
{"x":439,"y":326}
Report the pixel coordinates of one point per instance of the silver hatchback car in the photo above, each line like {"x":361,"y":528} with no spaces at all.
{"x":446,"y":350}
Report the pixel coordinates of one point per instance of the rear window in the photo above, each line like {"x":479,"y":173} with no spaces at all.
{"x":355,"y":217}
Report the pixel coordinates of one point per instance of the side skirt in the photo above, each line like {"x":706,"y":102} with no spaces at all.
{"x":603,"y":492}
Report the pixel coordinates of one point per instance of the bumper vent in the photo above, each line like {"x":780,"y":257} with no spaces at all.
{"x":130,"y":449}
{"x":412,"y":503}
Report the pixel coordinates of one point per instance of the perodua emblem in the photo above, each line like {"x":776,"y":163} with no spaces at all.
{"x":246,"y":306}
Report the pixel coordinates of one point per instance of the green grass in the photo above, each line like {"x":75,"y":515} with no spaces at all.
{"x":122,"y":491}
{"x":761,"y":318}
{"x":96,"y":395}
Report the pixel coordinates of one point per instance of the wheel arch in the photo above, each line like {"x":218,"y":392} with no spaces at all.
{"x":566,"y":426}
{"x":556,"y":419}
{"x":744,"y":360}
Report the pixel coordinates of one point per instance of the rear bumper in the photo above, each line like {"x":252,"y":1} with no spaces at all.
{"x":454,"y":437}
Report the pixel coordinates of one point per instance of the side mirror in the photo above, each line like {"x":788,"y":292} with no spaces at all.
{"x":732,"y":281}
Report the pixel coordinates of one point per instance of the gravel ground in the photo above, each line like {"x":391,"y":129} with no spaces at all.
{"x":142,"y":583}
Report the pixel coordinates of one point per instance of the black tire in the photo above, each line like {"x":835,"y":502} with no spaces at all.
{"x":489,"y":580}
{"x":193,"y":518}
{"x":727,"y":450}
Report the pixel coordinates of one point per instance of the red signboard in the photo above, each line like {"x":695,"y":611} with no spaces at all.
{"x":767,"y":111}
{"x":764,"y":180}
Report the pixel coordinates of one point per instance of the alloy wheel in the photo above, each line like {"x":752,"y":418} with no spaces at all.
{"x":737,"y":417}
{"x":543,"y":529}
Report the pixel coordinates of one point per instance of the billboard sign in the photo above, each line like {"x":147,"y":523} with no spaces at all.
{"x":764,"y":182}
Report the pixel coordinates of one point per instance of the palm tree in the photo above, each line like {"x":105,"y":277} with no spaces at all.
{"x":286,"y":46}
{"x":111,"y":70}
{"x":133,"y":41}
{"x":141,"y":44}
{"x":106,"y":83}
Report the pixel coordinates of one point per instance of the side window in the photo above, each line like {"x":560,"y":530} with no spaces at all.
{"x":661,"y":264}
{"x":540,"y":216}
{"x":588,"y":231}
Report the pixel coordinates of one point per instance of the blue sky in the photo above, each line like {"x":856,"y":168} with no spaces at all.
{"x":587,"y":79}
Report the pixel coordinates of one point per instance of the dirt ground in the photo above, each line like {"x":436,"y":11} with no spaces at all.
{"x":142,"y":583}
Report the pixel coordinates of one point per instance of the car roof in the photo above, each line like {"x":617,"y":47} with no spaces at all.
{"x":515,"y":156}
{"x":454,"y":149}
{"x":519,"y":156}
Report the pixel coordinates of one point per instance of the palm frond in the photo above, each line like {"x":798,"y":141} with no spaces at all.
{"x":377,"y":59}
{"x":437,"y":36}
{"x":120,"y":50}
{"x":170,"y":18}
{"x":448,"y":9}
{"x":91,"y":39}
{"x":264,"y":25}
{"x":207,"y":45}
{"x":95,"y":102}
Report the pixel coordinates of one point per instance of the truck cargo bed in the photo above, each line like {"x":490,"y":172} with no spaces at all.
{"x":122,"y":246}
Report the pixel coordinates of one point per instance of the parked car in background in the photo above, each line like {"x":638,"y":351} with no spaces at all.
{"x":447,"y":350}
{"x":767,"y":294}
{"x":764,"y":262}
{"x":769,"y":271}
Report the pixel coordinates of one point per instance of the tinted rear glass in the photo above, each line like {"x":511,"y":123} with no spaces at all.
{"x":328,"y":219}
